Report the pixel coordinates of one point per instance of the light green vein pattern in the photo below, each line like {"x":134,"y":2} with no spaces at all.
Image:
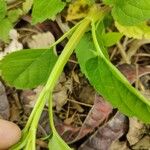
{"x":113,"y":86}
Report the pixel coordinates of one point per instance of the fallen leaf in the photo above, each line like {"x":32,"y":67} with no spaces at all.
{"x":97,"y":115}
{"x":60,"y":94}
{"x":87,"y":95}
{"x":14,"y":45}
{"x":105,"y":135}
{"x":41,"y":40}
{"x":136,"y":131}
{"x":4,"y":104}
{"x":129,"y":71}
{"x":117,"y":145}
{"x":143,"y":144}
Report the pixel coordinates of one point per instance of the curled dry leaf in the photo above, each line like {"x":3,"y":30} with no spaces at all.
{"x":97,"y":115}
{"x":107,"y":134}
{"x":130,"y":72}
{"x":136,"y":131}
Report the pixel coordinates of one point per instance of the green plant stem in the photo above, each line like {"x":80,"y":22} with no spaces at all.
{"x":50,"y":110}
{"x":51,"y":120}
{"x":99,"y":51}
{"x":56,"y":72}
{"x":63,"y":58}
{"x":42,"y":94}
{"x":81,"y":27}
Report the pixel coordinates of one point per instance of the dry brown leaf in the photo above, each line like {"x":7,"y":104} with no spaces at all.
{"x":97,"y":115}
{"x":117,"y":145}
{"x":107,"y":134}
{"x":136,"y":131}
{"x":87,"y":95}
{"x":130,"y":73}
{"x":41,"y":40}
{"x":143,"y":144}
{"x":14,"y":45}
{"x":60,"y":94}
{"x":4,"y":104}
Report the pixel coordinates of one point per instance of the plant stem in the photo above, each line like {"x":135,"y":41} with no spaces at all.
{"x":54,"y":75}
{"x":80,"y":29}
{"x":51,"y":120}
{"x":99,"y":51}
{"x":42,"y":95}
{"x":57,"y":69}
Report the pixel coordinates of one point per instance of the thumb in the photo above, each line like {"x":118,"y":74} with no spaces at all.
{"x":10,"y":134}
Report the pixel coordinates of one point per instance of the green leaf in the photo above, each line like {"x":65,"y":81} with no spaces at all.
{"x":115,"y":88}
{"x":109,"y":82}
{"x":130,"y":12}
{"x":27,"y":5}
{"x":84,"y":51}
{"x":3,"y":9}
{"x":5,"y":26}
{"x":100,"y":31}
{"x":56,"y":143}
{"x":27,"y":69}
{"x":13,"y":15}
{"x":85,"y":48}
{"x":102,"y":45}
{"x":111,"y":38}
{"x":140,"y":31}
{"x":46,"y":9}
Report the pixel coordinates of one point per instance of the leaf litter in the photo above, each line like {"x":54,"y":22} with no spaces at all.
{"x":87,"y":119}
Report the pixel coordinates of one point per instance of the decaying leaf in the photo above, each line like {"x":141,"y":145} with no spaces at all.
{"x":4,"y":105}
{"x":143,"y":144}
{"x":14,"y":45}
{"x":130,"y":72}
{"x":60,"y":94}
{"x":97,"y":115}
{"x":107,"y":134}
{"x":136,"y":131}
{"x":118,"y":145}
{"x":41,"y":40}
{"x":84,"y":95}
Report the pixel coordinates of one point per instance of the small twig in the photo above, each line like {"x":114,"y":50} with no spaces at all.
{"x":142,"y":55}
{"x":137,"y":76}
{"x":125,"y":42}
{"x":123,"y":54}
{"x":113,"y":53}
{"x":88,"y":105}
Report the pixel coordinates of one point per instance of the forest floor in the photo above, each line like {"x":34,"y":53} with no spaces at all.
{"x":82,"y":117}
